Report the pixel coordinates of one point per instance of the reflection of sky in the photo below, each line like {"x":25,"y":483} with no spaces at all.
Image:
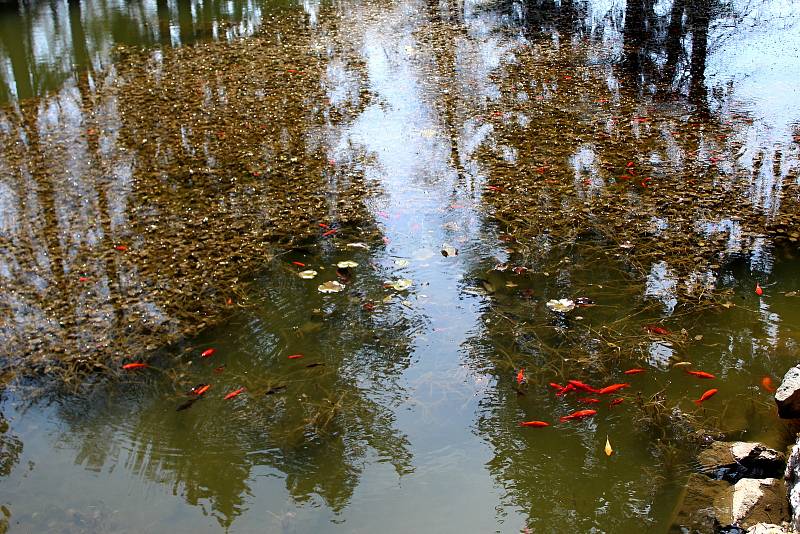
{"x":758,"y":47}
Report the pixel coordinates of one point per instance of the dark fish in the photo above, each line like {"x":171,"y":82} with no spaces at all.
{"x":276,"y":389}
{"x":315,"y":364}
{"x":188,"y":404}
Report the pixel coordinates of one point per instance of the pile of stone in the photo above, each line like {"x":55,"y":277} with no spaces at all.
{"x":746,"y":487}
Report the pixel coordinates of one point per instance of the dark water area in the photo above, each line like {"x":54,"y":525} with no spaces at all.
{"x":182,"y":176}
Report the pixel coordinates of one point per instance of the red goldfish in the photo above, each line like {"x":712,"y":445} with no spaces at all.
{"x":232,"y":394}
{"x":589,"y":400}
{"x":759,"y":291}
{"x":577,"y":415}
{"x":558,"y":387}
{"x":583,"y":387}
{"x":208,"y":353}
{"x":121,"y":248}
{"x":135,"y":365}
{"x":701,"y":374}
{"x":565,"y":390}
{"x":705,"y":396}
{"x":298,"y":263}
{"x":612,"y":388}
{"x":536,"y":424}
{"x":330,"y":232}
{"x":199,"y":389}
{"x":521,"y":376}
{"x":616,"y":401}
{"x":766,"y":383}
{"x":653,"y":329}
{"x":635,"y":371}
{"x":295,"y":356}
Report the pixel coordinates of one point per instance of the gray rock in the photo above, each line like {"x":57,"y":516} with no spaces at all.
{"x":695,"y":511}
{"x":769,"y":528}
{"x":788,"y":395}
{"x":732,"y":461}
{"x":751,"y":501}
{"x":792,"y":476}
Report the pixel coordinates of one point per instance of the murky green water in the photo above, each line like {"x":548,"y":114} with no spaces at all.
{"x":403,"y":126}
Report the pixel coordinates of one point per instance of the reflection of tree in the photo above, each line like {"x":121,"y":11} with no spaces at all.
{"x":35,"y":38}
{"x":318,"y":432}
{"x":593,"y":116}
{"x":197,"y":165}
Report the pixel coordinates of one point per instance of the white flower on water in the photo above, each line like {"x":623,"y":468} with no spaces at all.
{"x":561,"y":305}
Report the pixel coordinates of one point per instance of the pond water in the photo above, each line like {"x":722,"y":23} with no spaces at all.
{"x":170,"y":168}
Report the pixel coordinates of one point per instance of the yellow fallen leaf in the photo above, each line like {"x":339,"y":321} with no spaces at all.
{"x":609,"y":450}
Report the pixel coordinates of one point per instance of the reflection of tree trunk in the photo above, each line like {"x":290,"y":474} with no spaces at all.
{"x":82,"y":61}
{"x":162,"y":11}
{"x":634,"y":35}
{"x":673,"y":43}
{"x":185,"y":21}
{"x":14,"y":41}
{"x":50,"y":230}
{"x":700,"y":20}
{"x":79,"y":48}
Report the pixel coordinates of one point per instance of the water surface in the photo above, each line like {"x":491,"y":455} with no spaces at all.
{"x":220,"y":143}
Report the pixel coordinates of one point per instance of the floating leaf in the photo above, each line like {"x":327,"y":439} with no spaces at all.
{"x":561,"y":305}
{"x":449,"y":250}
{"x":608,"y":449}
{"x":331,"y":286}
{"x":399,"y":285}
{"x":346,"y":264}
{"x":401,"y":263}
{"x":308,"y":275}
{"x":357,"y":245}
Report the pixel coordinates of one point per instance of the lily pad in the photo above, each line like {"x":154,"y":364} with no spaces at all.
{"x":346,"y":264}
{"x":308,"y":275}
{"x":399,"y":285}
{"x":332,"y":286}
{"x":561,"y":305}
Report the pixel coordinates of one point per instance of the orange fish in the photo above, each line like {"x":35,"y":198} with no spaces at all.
{"x":199,"y":389}
{"x":766,"y":383}
{"x":121,"y":248}
{"x":521,"y":376}
{"x":612,"y":388}
{"x":536,"y":424}
{"x":219,"y":369}
{"x":135,"y":365}
{"x":559,"y":387}
{"x":635,"y":371}
{"x":330,"y":232}
{"x":616,"y":401}
{"x":589,"y":400}
{"x":207,"y":353}
{"x":299,"y":264}
{"x":707,"y":395}
{"x":323,"y":225}
{"x":566,"y":389}
{"x":759,"y":291}
{"x":653,"y":329}
{"x":232,"y":394}
{"x":583,"y":387}
{"x":83,"y":279}
{"x":701,"y":374}
{"x":295,"y":356}
{"x":578,"y":415}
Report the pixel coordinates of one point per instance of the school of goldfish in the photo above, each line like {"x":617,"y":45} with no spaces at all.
{"x":199,"y":391}
{"x":572,"y":385}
